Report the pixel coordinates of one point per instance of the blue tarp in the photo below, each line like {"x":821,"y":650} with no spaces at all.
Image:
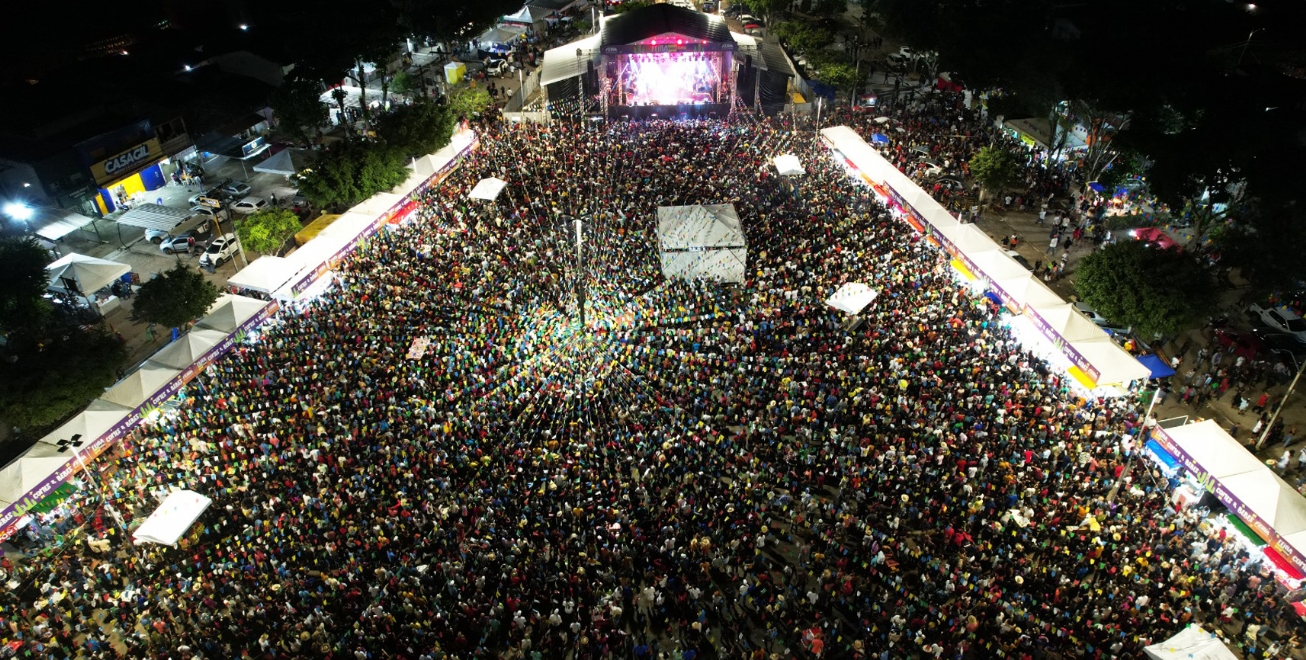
{"x":1156,"y":365}
{"x":879,"y":138}
{"x":1162,"y":455}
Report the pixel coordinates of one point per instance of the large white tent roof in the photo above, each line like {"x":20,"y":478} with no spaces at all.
{"x":376,"y":205}
{"x":998,"y":266}
{"x":1069,"y":323}
{"x":188,"y":348}
{"x":99,"y":416}
{"x":721,"y":264}
{"x":1208,"y":444}
{"x":561,"y":63}
{"x":54,"y":224}
{"x":788,"y":165}
{"x":1113,"y":364}
{"x":153,"y":216}
{"x":286,"y":162}
{"x":852,"y":298}
{"x":1191,"y":643}
{"x":140,"y":385}
{"x":88,"y":273}
{"x":30,"y":469}
{"x":487,"y":189}
{"x":1271,"y":498}
{"x":699,"y":226}
{"x":266,"y":274}
{"x":174,"y":516}
{"x":229,"y":311}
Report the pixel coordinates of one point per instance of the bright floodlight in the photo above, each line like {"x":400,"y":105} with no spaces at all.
{"x":18,"y":211}
{"x":244,"y":26}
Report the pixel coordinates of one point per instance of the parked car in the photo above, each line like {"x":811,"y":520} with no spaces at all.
{"x":235,"y":188}
{"x":495,"y":66}
{"x":1018,"y":258}
{"x":1087,"y":310}
{"x":250,"y":205}
{"x":212,"y":193}
{"x":181,"y":243}
{"x":220,"y":251}
{"x":749,"y":18}
{"x":896,"y":61}
{"x":200,"y":209}
{"x":156,"y":236}
{"x":1238,"y":343}
{"x":1279,"y":318}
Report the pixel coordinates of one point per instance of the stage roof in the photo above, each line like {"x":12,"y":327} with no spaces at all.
{"x":561,"y":63}
{"x":647,"y":22}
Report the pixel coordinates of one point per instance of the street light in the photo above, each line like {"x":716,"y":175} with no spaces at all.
{"x":19,"y":211}
{"x":1248,"y":43}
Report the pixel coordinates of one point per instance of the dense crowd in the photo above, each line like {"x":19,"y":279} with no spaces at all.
{"x":704,"y":470}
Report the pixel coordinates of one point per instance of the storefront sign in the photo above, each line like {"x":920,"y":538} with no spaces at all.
{"x":119,"y":165}
{"x":9,"y":517}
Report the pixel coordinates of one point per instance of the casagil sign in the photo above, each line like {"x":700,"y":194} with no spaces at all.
{"x":114,"y":167}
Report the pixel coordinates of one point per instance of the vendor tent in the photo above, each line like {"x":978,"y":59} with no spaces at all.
{"x":376,"y":205}
{"x":997,"y":266}
{"x":1191,"y":643}
{"x":29,"y":470}
{"x":851,"y":298}
{"x":1066,"y":321}
{"x":153,"y":216}
{"x":497,"y":37}
{"x":187,"y":350}
{"x":265,"y":274}
{"x":140,"y":385}
{"x":91,"y":423}
{"x":54,"y":224}
{"x":1155,"y":365}
{"x":1113,"y":364}
{"x":174,"y":516}
{"x":1271,"y":498}
{"x":1213,"y":450}
{"x":286,"y":162}
{"x":702,"y":241}
{"x":83,"y":275}
{"x":229,"y":312}
{"x":487,"y":189}
{"x":789,"y":165}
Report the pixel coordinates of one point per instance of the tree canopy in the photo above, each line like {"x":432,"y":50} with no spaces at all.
{"x":299,"y":108}
{"x":22,"y":269}
{"x":994,"y":168}
{"x":268,"y":230}
{"x":175,"y":297}
{"x":42,"y":383}
{"x":417,"y":129}
{"x":351,"y":172}
{"x":1153,"y":290}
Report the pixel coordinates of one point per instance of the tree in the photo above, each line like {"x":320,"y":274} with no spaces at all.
{"x":632,"y":5}
{"x":405,"y":84}
{"x":175,"y":297}
{"x":349,"y":173}
{"x":340,"y":95}
{"x":22,"y":269}
{"x":42,"y":383}
{"x":418,"y":129}
{"x":994,"y":168}
{"x":268,"y":230}
{"x":765,"y":8}
{"x":840,"y":75}
{"x":466,"y":101}
{"x":299,"y":108}
{"x":1153,"y":290}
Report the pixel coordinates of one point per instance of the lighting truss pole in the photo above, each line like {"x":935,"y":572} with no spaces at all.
{"x":580,"y":275}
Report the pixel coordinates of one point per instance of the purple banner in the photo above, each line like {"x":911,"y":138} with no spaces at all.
{"x":1235,"y":505}
{"x":1061,"y":344}
{"x":10,"y":516}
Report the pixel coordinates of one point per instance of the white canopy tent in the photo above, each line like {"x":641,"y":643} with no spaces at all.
{"x":287,"y":162}
{"x":968,"y":239}
{"x":788,"y":165}
{"x":1271,"y":498}
{"x":1214,"y":450}
{"x":1114,"y":365}
{"x":54,"y":224}
{"x":229,"y":312}
{"x":852,"y":298}
{"x":99,"y":416}
{"x":153,"y":216}
{"x":140,"y":385}
{"x":487,"y":189}
{"x":30,"y":469}
{"x":1028,"y":291}
{"x":174,"y":516}
{"x":1191,"y":643}
{"x":1069,"y":323}
{"x":561,"y":63}
{"x":188,"y":348}
{"x":80,"y":274}
{"x":376,"y":205}
{"x":265,"y":274}
{"x":994,"y":266}
{"x":702,"y":241}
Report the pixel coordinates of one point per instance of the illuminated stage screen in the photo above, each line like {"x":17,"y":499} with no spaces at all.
{"x":670,"y":78}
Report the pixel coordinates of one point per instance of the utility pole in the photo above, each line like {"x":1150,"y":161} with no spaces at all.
{"x":857,"y":83}
{"x":580,"y":275}
{"x":1270,"y":424}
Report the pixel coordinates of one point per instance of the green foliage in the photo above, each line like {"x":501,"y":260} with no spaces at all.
{"x":1155,"y":291}
{"x":765,"y":8}
{"x":840,"y":75}
{"x":994,"y":168}
{"x":466,"y":101}
{"x":829,"y":7}
{"x":405,"y":84}
{"x":43,"y":383}
{"x":584,"y":26}
{"x":299,"y":108}
{"x":22,"y":269}
{"x":175,"y":297}
{"x":267,"y":230}
{"x":349,"y":173}
{"x":632,"y":5}
{"x":418,"y":129}
{"x":801,"y":36}
{"x":1267,"y":248}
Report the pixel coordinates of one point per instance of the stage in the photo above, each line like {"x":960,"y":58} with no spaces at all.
{"x":677,"y":111}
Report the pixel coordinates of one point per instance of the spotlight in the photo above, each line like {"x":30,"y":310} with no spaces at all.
{"x":18,"y":211}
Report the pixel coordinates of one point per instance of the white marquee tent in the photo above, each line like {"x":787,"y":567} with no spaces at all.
{"x":788,"y":165}
{"x":86,"y":274}
{"x":265,"y":274}
{"x":286,"y":162}
{"x":188,"y":348}
{"x":852,"y":298}
{"x":99,"y":416}
{"x":229,"y":311}
{"x":174,"y":516}
{"x":28,"y":471}
{"x":702,"y":241}
{"x":1191,"y":643}
{"x":140,"y":385}
{"x":487,"y":189}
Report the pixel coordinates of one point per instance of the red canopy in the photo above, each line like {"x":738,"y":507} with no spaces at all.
{"x":1154,"y":235}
